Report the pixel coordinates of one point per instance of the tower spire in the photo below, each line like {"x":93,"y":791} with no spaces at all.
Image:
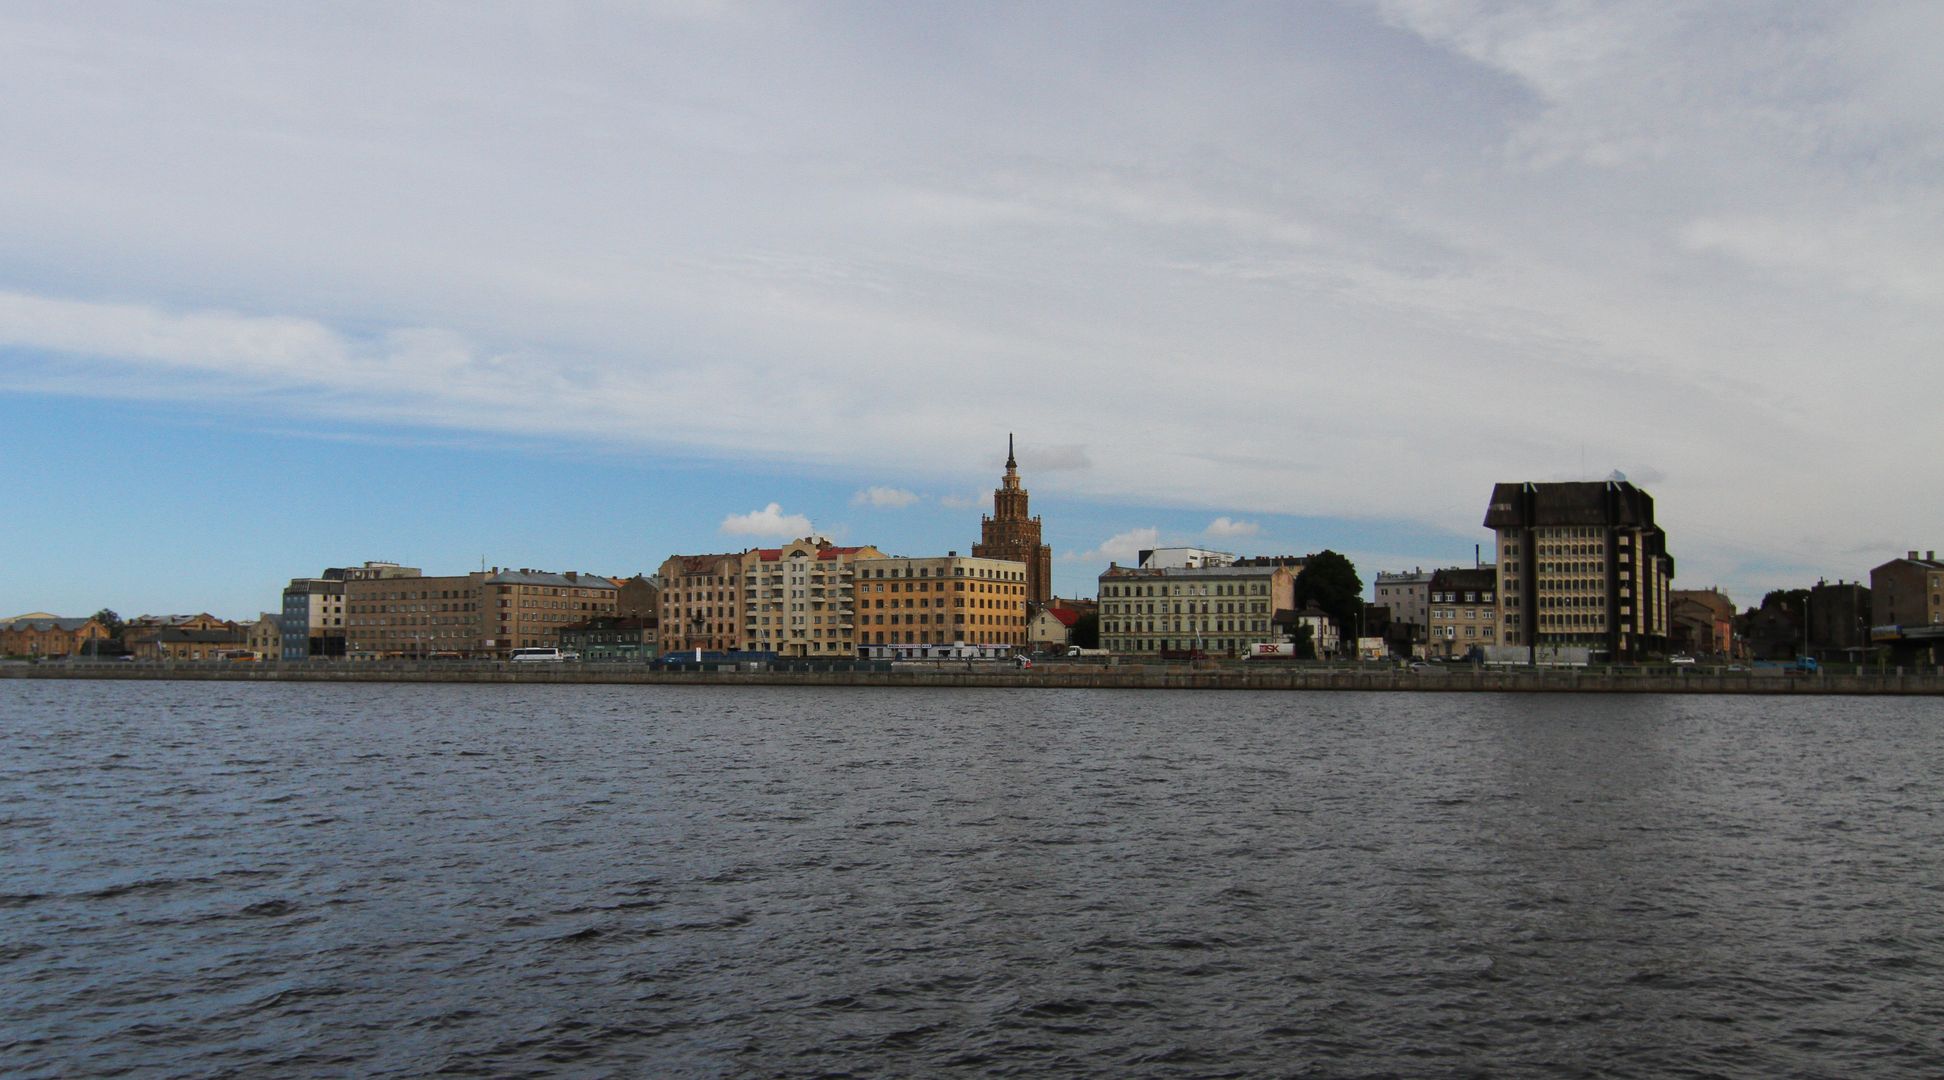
{"x":1010,"y":463}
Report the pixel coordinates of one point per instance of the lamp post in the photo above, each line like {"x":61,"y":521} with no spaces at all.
{"x":1805,"y":622}
{"x":1357,"y":647}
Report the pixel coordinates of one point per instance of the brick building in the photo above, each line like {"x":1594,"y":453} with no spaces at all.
{"x":701,"y":601}
{"x":1009,"y":533}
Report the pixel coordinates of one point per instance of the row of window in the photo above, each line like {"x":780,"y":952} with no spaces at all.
{"x":1229,"y":645}
{"x":1256,"y":588}
{"x":1177,"y":626}
{"x":1221,"y":608}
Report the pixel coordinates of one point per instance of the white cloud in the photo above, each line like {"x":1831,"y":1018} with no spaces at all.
{"x":885,"y":498}
{"x":1123,"y":547}
{"x":1224,"y":527}
{"x":1222,"y":267}
{"x":768,"y":523}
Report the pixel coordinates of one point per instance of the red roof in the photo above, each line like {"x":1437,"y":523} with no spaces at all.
{"x":1067,"y":616}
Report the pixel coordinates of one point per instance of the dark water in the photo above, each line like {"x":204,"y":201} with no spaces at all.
{"x":589,"y":881}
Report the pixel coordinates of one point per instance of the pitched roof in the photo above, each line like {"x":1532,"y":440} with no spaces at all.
{"x":542,"y":577}
{"x":207,"y":637}
{"x":45,"y":622}
{"x":1461,"y":578}
{"x":1067,"y":616}
{"x":775,"y":554}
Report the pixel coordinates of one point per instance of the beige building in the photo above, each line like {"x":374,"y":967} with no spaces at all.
{"x":798,"y":599}
{"x":1407,"y":594}
{"x":313,"y":618}
{"x":140,"y":634}
{"x":701,"y":602}
{"x":527,"y":608}
{"x":41,"y":634}
{"x":1581,"y":565}
{"x":1050,"y":629}
{"x":638,"y":597}
{"x":487,"y":613}
{"x":264,"y":637}
{"x":1462,"y":612}
{"x":172,"y":643}
{"x":1219,"y":610}
{"x":938,"y":600}
{"x":389,"y":618}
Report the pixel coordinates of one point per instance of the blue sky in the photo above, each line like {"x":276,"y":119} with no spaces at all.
{"x":580,"y":286}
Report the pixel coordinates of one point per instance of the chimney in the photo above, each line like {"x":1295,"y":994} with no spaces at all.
{"x":1931,"y":555}
{"x":1912,"y":556}
{"x":573,"y":575}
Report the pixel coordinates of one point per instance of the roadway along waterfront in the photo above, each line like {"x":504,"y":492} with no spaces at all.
{"x":1239,"y":675}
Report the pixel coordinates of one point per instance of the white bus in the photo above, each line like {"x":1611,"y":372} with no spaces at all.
{"x":537,"y":656}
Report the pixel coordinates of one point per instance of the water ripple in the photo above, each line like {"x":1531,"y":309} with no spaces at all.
{"x":320,"y":880}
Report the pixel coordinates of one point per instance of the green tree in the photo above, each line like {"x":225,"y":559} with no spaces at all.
{"x":107,"y":617}
{"x":1086,"y":631}
{"x":1305,"y":643}
{"x":1330,"y":582}
{"x":1792,"y":601}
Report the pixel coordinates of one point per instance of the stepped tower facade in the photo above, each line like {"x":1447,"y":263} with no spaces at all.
{"x":1009,"y":532}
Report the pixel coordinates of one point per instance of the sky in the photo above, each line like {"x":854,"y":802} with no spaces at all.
{"x":584,"y":285}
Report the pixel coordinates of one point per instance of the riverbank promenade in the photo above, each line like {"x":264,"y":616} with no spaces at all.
{"x":1053,"y":674}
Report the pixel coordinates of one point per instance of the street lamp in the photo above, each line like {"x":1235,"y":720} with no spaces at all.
{"x":1805,"y":622}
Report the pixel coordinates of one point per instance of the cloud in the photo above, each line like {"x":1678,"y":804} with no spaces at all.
{"x":1223,"y":527}
{"x":966,"y":502}
{"x":885,"y":498}
{"x":1221,"y":271}
{"x":768,"y":523}
{"x":1123,"y":547}
{"x":1059,"y":457}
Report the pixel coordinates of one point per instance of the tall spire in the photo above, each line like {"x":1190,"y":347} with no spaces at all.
{"x":1010,"y":463}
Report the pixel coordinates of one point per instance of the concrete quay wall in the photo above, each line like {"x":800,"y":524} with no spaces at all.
{"x":1045,"y":676}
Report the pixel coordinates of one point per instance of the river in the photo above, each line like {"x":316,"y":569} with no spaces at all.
{"x":394,"y":880}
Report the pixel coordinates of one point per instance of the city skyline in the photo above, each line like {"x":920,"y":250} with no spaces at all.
{"x":284,"y":289}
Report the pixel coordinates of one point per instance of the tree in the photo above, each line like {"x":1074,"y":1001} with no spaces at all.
{"x":1305,"y":643}
{"x":1086,"y":631}
{"x":113,"y":622}
{"x":1330,"y":582}
{"x":1792,"y":601}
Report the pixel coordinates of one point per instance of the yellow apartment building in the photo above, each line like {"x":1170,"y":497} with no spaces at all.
{"x":940,"y":601}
